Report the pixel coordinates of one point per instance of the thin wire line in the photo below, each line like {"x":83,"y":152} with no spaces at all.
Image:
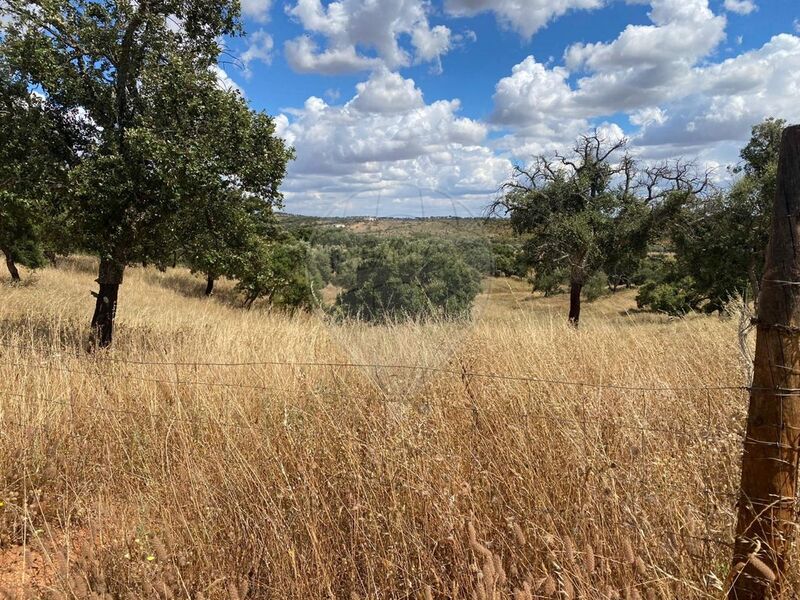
{"x":425,"y":368}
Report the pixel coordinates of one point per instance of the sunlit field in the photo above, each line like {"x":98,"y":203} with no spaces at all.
{"x":215,"y":452}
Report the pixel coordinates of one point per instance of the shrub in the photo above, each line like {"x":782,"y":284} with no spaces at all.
{"x":673,"y":298}
{"x":596,"y":287}
{"x":399,"y":279}
{"x":548,"y":282}
{"x":270,"y":270}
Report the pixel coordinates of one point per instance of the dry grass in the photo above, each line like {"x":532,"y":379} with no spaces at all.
{"x":274,"y":481}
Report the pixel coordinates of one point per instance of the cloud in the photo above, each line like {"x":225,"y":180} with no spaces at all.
{"x":742,"y":7}
{"x":387,"y":93}
{"x":387,"y":140}
{"x":361,"y":35}
{"x":677,"y":102}
{"x":643,"y":67}
{"x":259,"y":48}
{"x":258,"y":10}
{"x":725,"y":100}
{"x":526,"y":17}
{"x":303,"y":56}
{"x":662,"y":81}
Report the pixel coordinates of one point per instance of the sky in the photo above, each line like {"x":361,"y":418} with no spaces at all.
{"x":422,"y":107}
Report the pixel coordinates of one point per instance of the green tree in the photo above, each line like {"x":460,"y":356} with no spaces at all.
{"x":720,"y":240}
{"x":38,"y":146}
{"x":577,"y":210}
{"x":508,"y":259}
{"x":167,"y":136}
{"x":401,"y":279}
{"x":273,"y":270}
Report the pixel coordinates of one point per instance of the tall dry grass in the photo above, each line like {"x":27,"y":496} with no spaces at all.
{"x":140,"y":473}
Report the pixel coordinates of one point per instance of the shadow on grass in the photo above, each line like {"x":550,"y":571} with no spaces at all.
{"x":193,"y":286}
{"x":78,"y":264}
{"x":42,"y":332}
{"x":42,"y":335}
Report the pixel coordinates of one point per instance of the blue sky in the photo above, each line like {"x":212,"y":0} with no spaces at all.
{"x":402,"y":99}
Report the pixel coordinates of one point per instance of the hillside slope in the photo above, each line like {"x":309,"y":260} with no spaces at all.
{"x":221,"y":453}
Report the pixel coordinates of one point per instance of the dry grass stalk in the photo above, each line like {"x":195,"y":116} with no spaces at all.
{"x":301,"y":482}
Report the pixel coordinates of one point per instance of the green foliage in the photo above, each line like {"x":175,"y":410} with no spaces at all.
{"x":37,"y":147}
{"x":549,"y":282}
{"x":509,"y":260}
{"x":319,"y":266}
{"x":476,"y":252}
{"x":273,"y":271}
{"x":665,"y":288}
{"x":593,"y":210}
{"x":401,"y":279}
{"x":674,"y":298}
{"x":167,"y":141}
{"x":720,"y":241}
{"x":19,"y":234}
{"x":596,"y":287}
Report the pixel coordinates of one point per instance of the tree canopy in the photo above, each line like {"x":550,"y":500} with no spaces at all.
{"x":167,"y":139}
{"x":400,"y":279}
{"x":38,"y":146}
{"x":719,"y":240}
{"x":592,"y":208}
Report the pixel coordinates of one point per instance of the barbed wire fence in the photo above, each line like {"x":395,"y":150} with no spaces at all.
{"x":702,"y":397}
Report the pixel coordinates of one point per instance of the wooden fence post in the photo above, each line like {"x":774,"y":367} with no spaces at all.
{"x":765,"y":527}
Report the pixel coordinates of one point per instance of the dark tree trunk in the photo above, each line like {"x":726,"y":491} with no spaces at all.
{"x":575,"y":288}
{"x":766,"y":526}
{"x":51,"y":257}
{"x":12,"y":266}
{"x":209,"y":285}
{"x":105,"y":310}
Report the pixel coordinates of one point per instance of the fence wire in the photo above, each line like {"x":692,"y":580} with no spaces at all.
{"x":702,"y":398}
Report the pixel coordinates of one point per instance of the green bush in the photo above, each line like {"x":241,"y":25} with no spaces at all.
{"x":548,"y":283}
{"x":270,"y":270}
{"x":509,"y":260}
{"x":596,"y":287}
{"x":673,"y":298}
{"x":400,"y":279}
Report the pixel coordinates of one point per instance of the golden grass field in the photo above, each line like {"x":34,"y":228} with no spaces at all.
{"x":143,"y":472}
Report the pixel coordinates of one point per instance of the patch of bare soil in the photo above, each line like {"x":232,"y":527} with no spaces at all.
{"x":24,"y":572}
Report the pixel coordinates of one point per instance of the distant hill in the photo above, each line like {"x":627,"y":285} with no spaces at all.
{"x":422,"y":226}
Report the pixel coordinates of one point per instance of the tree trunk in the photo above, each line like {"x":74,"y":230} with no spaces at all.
{"x":51,"y":257}
{"x":765,"y":527}
{"x":209,"y":285}
{"x":105,"y":310}
{"x":12,"y":266}
{"x":575,"y":287}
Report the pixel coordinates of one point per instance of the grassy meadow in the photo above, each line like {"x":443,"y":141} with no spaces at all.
{"x":220,"y":453}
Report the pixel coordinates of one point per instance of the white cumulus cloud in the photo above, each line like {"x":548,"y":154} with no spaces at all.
{"x":525,"y":16}
{"x":257,"y":10}
{"x":387,"y":140}
{"x":359,"y":35}
{"x":742,"y":7}
{"x":644,"y":66}
{"x":259,"y":48}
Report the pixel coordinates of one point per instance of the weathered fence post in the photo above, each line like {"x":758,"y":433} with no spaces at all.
{"x":765,"y":526}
